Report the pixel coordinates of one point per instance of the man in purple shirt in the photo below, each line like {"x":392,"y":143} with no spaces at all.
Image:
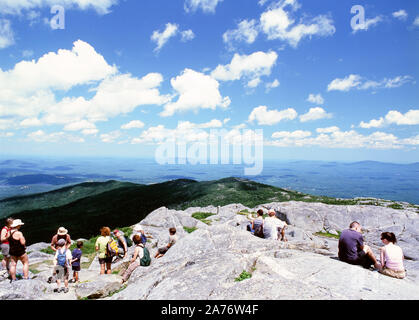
{"x":352,"y":249}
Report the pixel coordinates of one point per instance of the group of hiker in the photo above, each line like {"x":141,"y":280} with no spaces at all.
{"x":113,"y":246}
{"x":110,"y":247}
{"x":351,"y":247}
{"x":270,"y":227}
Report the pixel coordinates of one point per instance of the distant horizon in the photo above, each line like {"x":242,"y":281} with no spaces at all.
{"x":11,"y":156}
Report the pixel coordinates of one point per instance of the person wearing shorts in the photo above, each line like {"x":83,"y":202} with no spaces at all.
{"x":62,"y":261}
{"x":101,"y":245}
{"x":75,"y":261}
{"x":5,"y":246}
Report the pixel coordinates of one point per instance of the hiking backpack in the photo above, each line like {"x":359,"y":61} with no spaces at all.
{"x":62,"y":258}
{"x":259,"y":231}
{"x":145,"y":260}
{"x":111,"y":248}
{"x":128,"y":241}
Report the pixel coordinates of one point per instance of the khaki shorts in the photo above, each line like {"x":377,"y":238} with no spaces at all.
{"x":394,"y":273}
{"x":5,"y":250}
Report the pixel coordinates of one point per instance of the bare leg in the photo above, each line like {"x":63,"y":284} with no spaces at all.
{"x":12,"y":271}
{"x":102,"y":268}
{"x":108,"y":268}
{"x":25,"y":261}
{"x":371,"y":255}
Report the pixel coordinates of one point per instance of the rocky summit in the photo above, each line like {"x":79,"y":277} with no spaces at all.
{"x":216,"y":258}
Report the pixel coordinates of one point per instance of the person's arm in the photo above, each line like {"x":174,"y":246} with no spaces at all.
{"x":53,"y":241}
{"x":382,"y":257}
{"x":134,"y":257}
{"x":4,"y":235}
{"x":22,"y":239}
{"x":124,"y":243}
{"x":55,"y":259}
{"x":68,"y":242}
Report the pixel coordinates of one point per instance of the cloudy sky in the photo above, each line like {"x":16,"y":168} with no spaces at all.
{"x":118,"y":77}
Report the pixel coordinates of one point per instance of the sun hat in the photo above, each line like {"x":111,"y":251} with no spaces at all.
{"x":62,"y":231}
{"x":16,"y":223}
{"x":61,"y":242}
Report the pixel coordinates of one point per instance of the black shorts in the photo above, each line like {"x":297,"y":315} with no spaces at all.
{"x":163,"y":250}
{"x":107,"y":260}
{"x":76,"y":268}
{"x":363,"y":260}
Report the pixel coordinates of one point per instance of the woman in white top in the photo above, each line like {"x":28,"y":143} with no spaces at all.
{"x":391,"y":257}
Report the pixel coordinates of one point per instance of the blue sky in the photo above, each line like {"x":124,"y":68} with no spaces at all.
{"x":124,"y":76}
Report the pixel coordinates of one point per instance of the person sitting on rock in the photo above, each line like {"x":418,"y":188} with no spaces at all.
{"x":139,"y":252}
{"x":391,"y":257}
{"x":17,"y":251}
{"x":101,"y":246}
{"x":62,"y":262}
{"x":62,"y":233}
{"x":273,"y":227}
{"x":5,"y":247}
{"x":172,"y":240}
{"x":352,"y":249}
{"x":257,"y":224}
{"x":138,"y":229}
{"x":122,"y":244}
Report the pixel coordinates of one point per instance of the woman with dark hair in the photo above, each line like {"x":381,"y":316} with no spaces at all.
{"x":257,"y":224}
{"x":391,"y":257}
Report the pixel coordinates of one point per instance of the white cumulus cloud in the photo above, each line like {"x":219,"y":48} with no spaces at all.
{"x":315,"y":114}
{"x":263,"y":116}
{"x":196,"y":91}
{"x":207,"y":6}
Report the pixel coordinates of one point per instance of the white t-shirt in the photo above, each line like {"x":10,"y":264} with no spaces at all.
{"x":68,"y":255}
{"x":270,"y":227}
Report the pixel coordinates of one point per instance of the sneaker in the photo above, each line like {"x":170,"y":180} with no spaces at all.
{"x":56,"y":290}
{"x":61,"y":290}
{"x":72,"y":280}
{"x":65,"y":290}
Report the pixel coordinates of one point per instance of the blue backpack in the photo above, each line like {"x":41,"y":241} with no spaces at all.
{"x":62,"y":258}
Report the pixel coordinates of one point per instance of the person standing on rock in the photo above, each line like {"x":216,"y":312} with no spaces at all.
{"x":391,"y":257}
{"x":101,"y":246}
{"x":62,"y":262}
{"x":17,"y":251}
{"x":352,"y":249}
{"x":5,"y":247}
{"x":274,"y":227}
{"x":62,"y":233}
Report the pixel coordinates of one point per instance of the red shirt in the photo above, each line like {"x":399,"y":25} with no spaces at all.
{"x":7,"y":230}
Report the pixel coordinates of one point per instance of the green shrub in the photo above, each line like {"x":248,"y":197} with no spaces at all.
{"x":396,"y":206}
{"x":243,"y":276}
{"x":48,"y":250}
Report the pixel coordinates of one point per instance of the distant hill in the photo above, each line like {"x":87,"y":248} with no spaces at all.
{"x":86,"y":207}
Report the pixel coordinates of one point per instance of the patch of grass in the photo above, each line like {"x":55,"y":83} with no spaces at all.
{"x":190,"y":230}
{"x":127,"y":231}
{"x":1,"y":257}
{"x":202,"y":216}
{"x":48,"y":250}
{"x":328,"y":235}
{"x":243,"y":276}
{"x":395,"y":206}
{"x":34,"y":271}
{"x":117,"y":291}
